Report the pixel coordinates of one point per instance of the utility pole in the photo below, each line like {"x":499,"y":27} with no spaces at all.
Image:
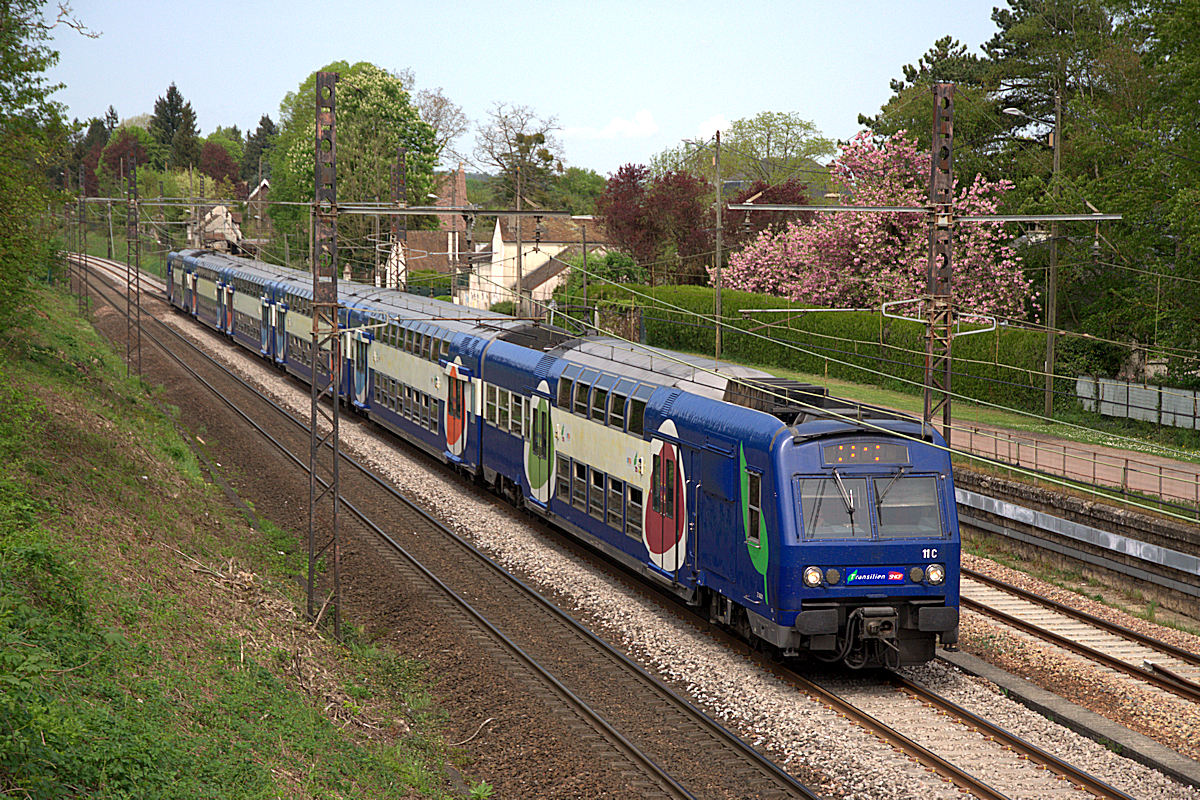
{"x":399,"y":222}
{"x":325,"y":331}
{"x":519,"y":308}
{"x":82,"y":275}
{"x":1052,"y":274}
{"x":717,"y":255}
{"x":940,"y":273}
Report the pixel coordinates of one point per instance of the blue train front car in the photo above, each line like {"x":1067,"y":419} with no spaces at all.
{"x":870,"y":539}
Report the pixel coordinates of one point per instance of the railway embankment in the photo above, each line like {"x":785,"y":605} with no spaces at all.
{"x":150,"y":638}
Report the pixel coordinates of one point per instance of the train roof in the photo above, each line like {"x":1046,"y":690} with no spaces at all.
{"x":793,"y":402}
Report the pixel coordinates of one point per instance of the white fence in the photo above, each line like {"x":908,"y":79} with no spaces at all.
{"x":1179,"y":408}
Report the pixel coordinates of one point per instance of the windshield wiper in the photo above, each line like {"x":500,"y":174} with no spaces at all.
{"x":888,"y":488}
{"x":846,"y":496}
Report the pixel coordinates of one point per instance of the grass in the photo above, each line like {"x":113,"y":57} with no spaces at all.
{"x":128,"y":668}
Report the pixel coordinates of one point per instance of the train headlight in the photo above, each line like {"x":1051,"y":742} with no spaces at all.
{"x":812,"y":577}
{"x":833,"y":576}
{"x":935,"y":574}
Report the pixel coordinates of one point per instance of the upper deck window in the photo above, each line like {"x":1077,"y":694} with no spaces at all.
{"x":908,"y":506}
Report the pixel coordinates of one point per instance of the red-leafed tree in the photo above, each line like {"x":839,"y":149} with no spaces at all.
{"x":125,"y":145}
{"x":739,"y":227}
{"x":663,"y":221}
{"x":622,"y":208}
{"x":216,"y":163}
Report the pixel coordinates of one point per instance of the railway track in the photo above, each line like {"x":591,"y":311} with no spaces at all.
{"x":955,"y":744}
{"x":623,"y":714}
{"x":1113,"y":646}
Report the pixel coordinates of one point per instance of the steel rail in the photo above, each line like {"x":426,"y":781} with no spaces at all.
{"x":1137,"y":637}
{"x":628,"y":749}
{"x":786,"y":781}
{"x":1188,"y":692}
{"x":1031,"y":751}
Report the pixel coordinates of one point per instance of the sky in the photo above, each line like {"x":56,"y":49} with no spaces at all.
{"x":624,"y":80}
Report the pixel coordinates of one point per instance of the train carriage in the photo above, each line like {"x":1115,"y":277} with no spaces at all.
{"x":808,"y":523}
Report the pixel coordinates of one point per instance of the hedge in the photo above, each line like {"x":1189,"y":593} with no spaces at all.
{"x":840,"y":345}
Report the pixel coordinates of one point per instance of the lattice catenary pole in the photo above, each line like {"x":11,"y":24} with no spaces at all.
{"x":325,"y":363}
{"x":940,"y":332}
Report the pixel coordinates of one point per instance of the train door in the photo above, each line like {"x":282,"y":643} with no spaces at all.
{"x":279,"y":323}
{"x":539,"y":446}
{"x":228,"y":322}
{"x":265,"y":323}
{"x":192,"y":304}
{"x":220,"y":298}
{"x":665,"y":529}
{"x":457,"y":408}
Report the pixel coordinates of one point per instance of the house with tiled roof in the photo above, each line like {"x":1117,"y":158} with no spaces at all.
{"x":545,"y":242}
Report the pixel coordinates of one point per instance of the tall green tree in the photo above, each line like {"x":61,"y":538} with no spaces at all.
{"x":375,"y":117}
{"x":256,"y":157}
{"x":173,"y":114}
{"x":35,"y":141}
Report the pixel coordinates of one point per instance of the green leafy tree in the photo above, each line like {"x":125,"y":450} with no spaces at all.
{"x":231,"y":139}
{"x":375,"y":117}
{"x":575,"y":189}
{"x":772,"y":147}
{"x":35,"y":141}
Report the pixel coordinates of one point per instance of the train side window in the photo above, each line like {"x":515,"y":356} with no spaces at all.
{"x":502,"y":407}
{"x":564,"y":478}
{"x":596,"y":495}
{"x":517,"y":419}
{"x":564,"y":393}
{"x":754,"y":501}
{"x":489,"y":404}
{"x":445,"y":348}
{"x":637,"y":409}
{"x":637,"y":415}
{"x":668,"y":509}
{"x":616,"y":411}
{"x":599,"y":404}
{"x":579,"y":487}
{"x":655,"y":493}
{"x":581,"y":397}
{"x":633,"y":511}
{"x":616,"y":502}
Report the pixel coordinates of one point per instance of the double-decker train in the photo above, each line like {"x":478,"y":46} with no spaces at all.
{"x":811,"y":524}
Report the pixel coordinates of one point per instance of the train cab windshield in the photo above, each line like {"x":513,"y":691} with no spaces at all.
{"x":885,"y":507}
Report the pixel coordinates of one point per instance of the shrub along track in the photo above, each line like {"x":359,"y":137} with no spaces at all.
{"x":548,"y":734}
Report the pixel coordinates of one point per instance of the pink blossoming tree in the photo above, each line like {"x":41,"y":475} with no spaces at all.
{"x":849,"y":259}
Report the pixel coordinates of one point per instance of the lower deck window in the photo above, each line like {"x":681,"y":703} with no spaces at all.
{"x":633,"y":512}
{"x":616,"y":502}
{"x":596,"y":495}
{"x":563,"y":470}
{"x":579,"y":487}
